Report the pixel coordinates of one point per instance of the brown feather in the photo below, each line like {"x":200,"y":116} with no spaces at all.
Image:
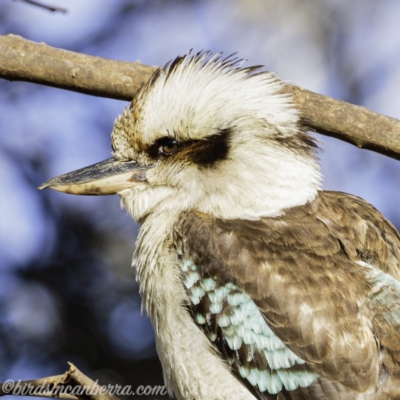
{"x":302,"y":271}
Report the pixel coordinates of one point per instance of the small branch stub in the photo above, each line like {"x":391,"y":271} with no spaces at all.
{"x":73,"y":385}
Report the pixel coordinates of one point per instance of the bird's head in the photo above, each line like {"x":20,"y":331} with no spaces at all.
{"x":205,"y":134}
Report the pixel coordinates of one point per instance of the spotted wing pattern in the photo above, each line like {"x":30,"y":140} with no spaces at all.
{"x":232,"y":321}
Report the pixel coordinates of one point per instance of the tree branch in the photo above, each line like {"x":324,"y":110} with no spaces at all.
{"x":73,"y":385}
{"x":23,"y":60}
{"x":45,"y":6}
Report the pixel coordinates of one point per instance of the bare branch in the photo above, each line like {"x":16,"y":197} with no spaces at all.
{"x":45,"y":6}
{"x":73,"y":385}
{"x":94,"y":389}
{"x":24,"y":60}
{"x":357,"y":125}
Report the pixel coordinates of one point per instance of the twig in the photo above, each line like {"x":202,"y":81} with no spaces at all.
{"x":73,"y":385}
{"x":45,"y":6}
{"x":24,"y":60}
{"x":95,"y":391}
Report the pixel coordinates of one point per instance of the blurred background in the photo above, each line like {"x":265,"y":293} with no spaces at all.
{"x":67,"y":291}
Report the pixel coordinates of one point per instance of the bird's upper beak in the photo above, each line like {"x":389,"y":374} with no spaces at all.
{"x":106,"y":177}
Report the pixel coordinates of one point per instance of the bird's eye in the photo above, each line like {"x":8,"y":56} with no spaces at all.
{"x":168,"y":146}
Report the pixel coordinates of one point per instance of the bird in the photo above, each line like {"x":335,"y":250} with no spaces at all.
{"x":258,"y":283}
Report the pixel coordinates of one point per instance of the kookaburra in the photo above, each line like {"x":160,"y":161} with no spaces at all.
{"x":259,"y":284}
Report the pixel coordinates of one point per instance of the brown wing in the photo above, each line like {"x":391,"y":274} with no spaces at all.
{"x":303,"y":271}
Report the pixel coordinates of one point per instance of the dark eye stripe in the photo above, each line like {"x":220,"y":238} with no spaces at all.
{"x":209,"y":151}
{"x":205,"y":153}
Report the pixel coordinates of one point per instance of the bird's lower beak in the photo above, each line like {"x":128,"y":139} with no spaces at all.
{"x":106,"y":177}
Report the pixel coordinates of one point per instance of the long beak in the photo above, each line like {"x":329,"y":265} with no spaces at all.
{"x":104,"y":178}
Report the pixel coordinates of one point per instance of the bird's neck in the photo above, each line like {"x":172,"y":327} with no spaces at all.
{"x":152,"y":258}
{"x":189,"y":363}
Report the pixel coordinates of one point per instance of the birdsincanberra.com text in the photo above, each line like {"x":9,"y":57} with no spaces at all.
{"x":20,"y":388}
